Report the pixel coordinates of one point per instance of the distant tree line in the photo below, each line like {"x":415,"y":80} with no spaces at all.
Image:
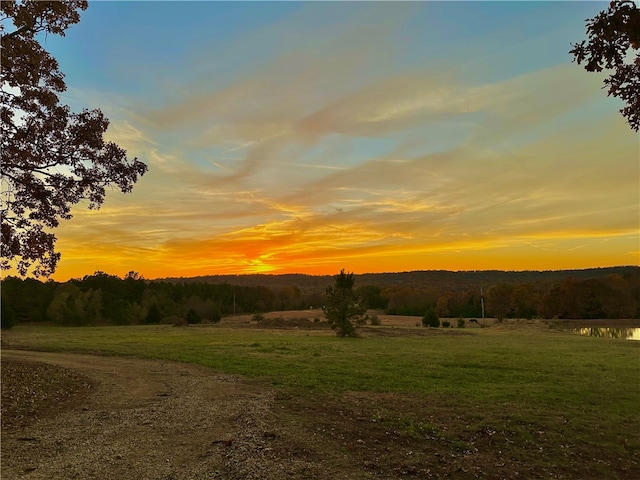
{"x":102,"y":299}
{"x":609,"y":297}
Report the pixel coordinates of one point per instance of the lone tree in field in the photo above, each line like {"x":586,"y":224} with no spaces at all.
{"x":51,"y":158}
{"x":611,"y":34}
{"x":343,"y":308}
{"x":430,"y":318}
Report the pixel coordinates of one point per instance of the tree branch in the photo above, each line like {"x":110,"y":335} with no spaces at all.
{"x":19,"y":31}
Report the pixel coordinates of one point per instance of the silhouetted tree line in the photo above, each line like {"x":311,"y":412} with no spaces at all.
{"x":609,"y":297}
{"x":102,"y":299}
{"x":438,"y":280}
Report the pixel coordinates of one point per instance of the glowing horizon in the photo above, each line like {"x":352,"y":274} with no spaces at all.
{"x":376,"y":137}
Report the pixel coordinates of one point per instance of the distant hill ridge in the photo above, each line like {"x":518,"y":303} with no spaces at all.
{"x":452,"y":280}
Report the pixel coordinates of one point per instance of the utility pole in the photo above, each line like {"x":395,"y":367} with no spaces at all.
{"x":234,"y":303}
{"x":482,"y":304}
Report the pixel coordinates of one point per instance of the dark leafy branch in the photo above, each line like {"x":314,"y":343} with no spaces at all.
{"x":52,"y":158}
{"x":614,"y":36}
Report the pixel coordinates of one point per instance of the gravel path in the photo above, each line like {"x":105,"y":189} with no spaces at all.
{"x":130,"y":418}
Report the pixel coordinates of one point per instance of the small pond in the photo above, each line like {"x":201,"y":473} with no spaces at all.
{"x":610,"y":332}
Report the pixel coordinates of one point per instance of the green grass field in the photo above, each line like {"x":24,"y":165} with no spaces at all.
{"x":582,"y":393}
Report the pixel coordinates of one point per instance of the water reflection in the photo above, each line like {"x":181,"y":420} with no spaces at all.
{"x":610,"y":332}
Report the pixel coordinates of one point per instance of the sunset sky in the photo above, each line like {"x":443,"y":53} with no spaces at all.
{"x":310,"y":137}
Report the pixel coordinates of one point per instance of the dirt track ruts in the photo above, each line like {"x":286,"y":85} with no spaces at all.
{"x":146,"y":419}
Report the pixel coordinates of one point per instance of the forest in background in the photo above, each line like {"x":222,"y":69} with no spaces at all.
{"x":103,"y":299}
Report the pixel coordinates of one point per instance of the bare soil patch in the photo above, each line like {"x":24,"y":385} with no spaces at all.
{"x":33,"y":390}
{"x":131,"y":418}
{"x":291,"y":319}
{"x":313,"y":319}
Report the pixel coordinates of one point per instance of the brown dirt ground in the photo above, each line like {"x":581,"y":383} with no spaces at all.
{"x":80,"y":416}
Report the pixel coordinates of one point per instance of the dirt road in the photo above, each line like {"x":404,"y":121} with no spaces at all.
{"x":129,"y":418}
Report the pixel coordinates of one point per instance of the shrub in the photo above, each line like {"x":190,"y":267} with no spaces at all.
{"x":258,"y":317}
{"x":430,"y":318}
{"x":375,"y":320}
{"x":461,"y":323}
{"x":316,"y":319}
{"x":153,"y":315}
{"x":446,"y":323}
{"x":193,"y":317}
{"x":8,"y":316}
{"x":215,"y":317}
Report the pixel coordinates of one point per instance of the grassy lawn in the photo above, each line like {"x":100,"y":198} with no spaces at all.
{"x":551,"y":403}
